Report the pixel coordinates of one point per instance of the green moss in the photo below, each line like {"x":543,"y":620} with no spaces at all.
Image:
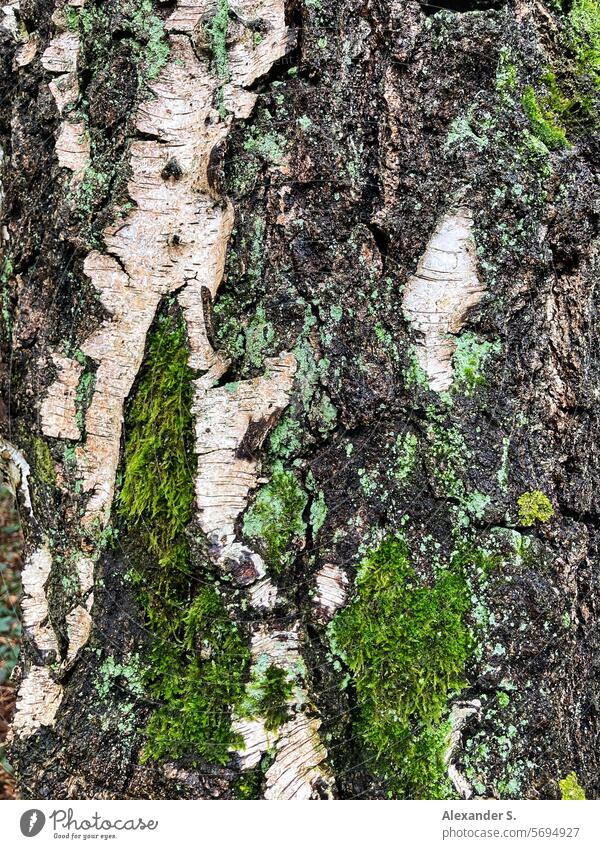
{"x":503,"y":699}
{"x":267,"y":694}
{"x":543,"y":121}
{"x":197,"y":660}
{"x":469,"y":362}
{"x":570,"y":788}
{"x":42,"y":462}
{"x":158,"y":489}
{"x":250,"y":782}
{"x":534,"y":507}
{"x":416,"y":376}
{"x":405,"y":645}
{"x":584,"y":37}
{"x":72,"y":18}
{"x":276,"y":517}
{"x":199,"y":679}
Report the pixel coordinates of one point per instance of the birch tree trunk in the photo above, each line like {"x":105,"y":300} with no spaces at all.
{"x":300,"y":402}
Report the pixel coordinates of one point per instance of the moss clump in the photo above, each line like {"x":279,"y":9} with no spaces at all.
{"x":276,"y":517}
{"x":198,"y":659}
{"x":406,"y":645}
{"x":250,"y":782}
{"x":543,"y":121}
{"x":43,"y":463}
{"x":198,"y":678}
{"x":570,"y":788}
{"x":534,"y":507}
{"x":158,"y":488}
{"x":584,"y":37}
{"x":267,"y":694}
{"x":469,"y":362}
{"x":71,"y":18}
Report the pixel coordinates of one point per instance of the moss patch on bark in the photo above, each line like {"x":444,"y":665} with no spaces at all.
{"x":406,"y":645}
{"x":198,"y":659}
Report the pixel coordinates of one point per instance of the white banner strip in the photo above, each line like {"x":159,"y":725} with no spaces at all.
{"x":301,"y":825}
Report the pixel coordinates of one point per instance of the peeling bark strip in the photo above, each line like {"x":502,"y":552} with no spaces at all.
{"x":223,"y":417}
{"x":58,"y":410}
{"x":298,"y":770}
{"x":174,"y":240}
{"x":35,"y":604}
{"x":14,"y":472}
{"x":331,"y":591}
{"x":39,"y":696}
{"x":439,"y":296}
{"x":61,"y":57}
{"x":38,"y":701}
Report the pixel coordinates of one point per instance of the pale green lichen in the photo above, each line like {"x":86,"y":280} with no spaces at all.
{"x":506,"y":75}
{"x":276,"y":518}
{"x":502,"y":473}
{"x":269,"y":146}
{"x":217,"y":31}
{"x":286,"y":438}
{"x":318,"y":513}
{"x":406,"y":454}
{"x":476,"y":503}
{"x":259,"y":335}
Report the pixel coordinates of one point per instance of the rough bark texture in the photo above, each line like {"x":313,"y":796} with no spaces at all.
{"x":299,"y":396}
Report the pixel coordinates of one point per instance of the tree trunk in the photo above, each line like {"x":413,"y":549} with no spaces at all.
{"x":299,"y":396}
